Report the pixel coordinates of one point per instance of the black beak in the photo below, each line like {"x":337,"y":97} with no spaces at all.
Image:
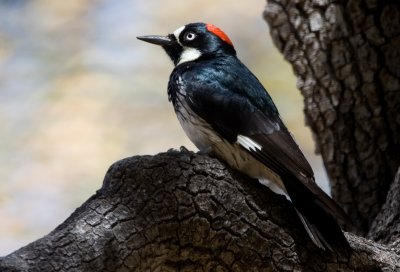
{"x":156,"y":39}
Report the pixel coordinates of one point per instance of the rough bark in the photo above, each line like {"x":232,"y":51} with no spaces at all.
{"x":386,"y":226}
{"x":187,"y":212}
{"x":346,"y":56}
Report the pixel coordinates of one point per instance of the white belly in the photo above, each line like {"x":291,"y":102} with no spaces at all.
{"x":205,"y":139}
{"x":198,"y":131}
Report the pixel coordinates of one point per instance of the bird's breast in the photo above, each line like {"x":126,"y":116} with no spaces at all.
{"x":206,"y":139}
{"x":199,"y":131}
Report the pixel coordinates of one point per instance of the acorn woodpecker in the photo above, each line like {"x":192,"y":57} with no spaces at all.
{"x":226,"y":111}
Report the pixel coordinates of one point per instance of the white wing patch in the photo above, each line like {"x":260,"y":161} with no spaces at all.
{"x":248,"y":143}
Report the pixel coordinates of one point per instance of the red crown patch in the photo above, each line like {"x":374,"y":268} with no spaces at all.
{"x":218,"y":32}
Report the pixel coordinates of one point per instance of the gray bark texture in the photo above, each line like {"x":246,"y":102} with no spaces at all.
{"x":179,"y":211}
{"x":386,"y":226}
{"x":346,"y":56}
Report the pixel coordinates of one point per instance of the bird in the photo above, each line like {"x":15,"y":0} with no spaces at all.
{"x":225,"y":111}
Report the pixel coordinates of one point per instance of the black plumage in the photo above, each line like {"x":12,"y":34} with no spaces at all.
{"x":225,"y":109}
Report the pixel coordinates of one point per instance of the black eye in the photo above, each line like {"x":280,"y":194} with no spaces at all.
{"x":190,"y":36}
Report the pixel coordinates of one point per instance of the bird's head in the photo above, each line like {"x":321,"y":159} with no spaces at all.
{"x":193,"y":42}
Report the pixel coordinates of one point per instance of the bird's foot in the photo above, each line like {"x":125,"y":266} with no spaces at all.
{"x":184,"y":149}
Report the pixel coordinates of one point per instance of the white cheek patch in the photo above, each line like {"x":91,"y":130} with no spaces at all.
{"x":189,"y":54}
{"x":248,"y":143}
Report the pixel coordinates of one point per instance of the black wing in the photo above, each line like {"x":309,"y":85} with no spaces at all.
{"x":232,"y":113}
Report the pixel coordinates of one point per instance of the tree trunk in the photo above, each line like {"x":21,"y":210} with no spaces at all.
{"x":187,"y":212}
{"x":386,"y":226}
{"x":346,"y":56}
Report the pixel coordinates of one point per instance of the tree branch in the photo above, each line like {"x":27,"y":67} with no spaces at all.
{"x":183,"y":211}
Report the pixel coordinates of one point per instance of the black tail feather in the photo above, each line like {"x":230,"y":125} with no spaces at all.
{"x":320,"y":223}
{"x":317,"y":211}
{"x":325,"y":233}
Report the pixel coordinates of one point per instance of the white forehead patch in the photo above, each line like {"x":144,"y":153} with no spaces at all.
{"x":178,"y":32}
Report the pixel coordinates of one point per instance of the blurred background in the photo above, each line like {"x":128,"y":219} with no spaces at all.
{"x":78,"y":92}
